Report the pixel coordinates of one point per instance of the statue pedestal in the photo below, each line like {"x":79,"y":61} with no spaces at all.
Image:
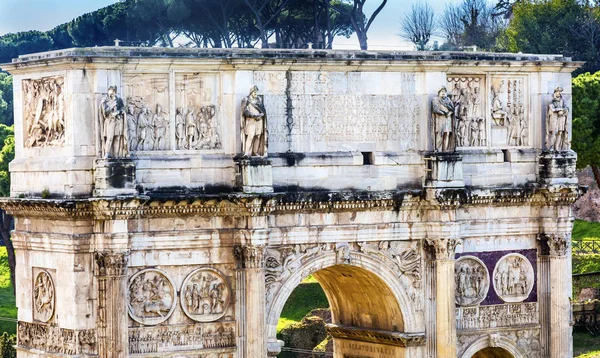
{"x":114,"y":177}
{"x":253,"y":175}
{"x":558,"y":168}
{"x":444,"y":170}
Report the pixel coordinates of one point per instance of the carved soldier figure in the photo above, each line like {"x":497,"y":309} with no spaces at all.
{"x":190,"y":128}
{"x":114,"y":125}
{"x":442,"y":109}
{"x":160,"y":123}
{"x":143,"y":121}
{"x":180,"y":128}
{"x":253,"y":125}
{"x":557,"y":132}
{"x":131,"y":126}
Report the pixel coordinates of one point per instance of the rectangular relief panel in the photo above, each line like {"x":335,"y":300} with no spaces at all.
{"x":148,"y":117}
{"x":312,"y":111}
{"x":509,"y":111}
{"x":44,"y":112}
{"x":467,"y":92}
{"x":198,"y":111}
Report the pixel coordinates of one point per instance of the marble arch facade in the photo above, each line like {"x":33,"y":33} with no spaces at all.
{"x":442,"y":181}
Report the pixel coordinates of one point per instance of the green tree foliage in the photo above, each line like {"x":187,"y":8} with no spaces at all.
{"x":6,"y":99}
{"x":7,"y":343}
{"x":586,"y":121}
{"x":13,"y":45}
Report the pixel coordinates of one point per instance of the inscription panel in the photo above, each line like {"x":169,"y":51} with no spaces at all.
{"x":337,"y":111}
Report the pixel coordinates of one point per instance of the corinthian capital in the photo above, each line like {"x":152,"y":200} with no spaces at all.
{"x":249,"y":256}
{"x":443,"y":248}
{"x":558,"y":244}
{"x":111,"y":263}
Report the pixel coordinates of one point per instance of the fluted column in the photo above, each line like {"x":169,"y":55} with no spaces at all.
{"x":442,"y":257}
{"x":112,"y":318}
{"x":561,"y":342}
{"x":252,"y":265}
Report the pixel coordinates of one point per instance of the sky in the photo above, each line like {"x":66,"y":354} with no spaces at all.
{"x":43,"y":15}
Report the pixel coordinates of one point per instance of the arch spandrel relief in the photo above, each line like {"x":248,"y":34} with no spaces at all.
{"x":44,"y":296}
{"x":472,"y":281}
{"x":151,"y":297}
{"x":44,"y":112}
{"x":513,"y":278}
{"x":205,"y":295}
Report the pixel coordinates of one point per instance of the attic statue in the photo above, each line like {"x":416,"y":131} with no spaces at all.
{"x":114,"y":125}
{"x":557,"y":126}
{"x":253,"y":125}
{"x":442,"y":111}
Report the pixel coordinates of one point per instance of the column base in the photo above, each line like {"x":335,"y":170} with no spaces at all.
{"x":253,"y":175}
{"x":114,"y":177}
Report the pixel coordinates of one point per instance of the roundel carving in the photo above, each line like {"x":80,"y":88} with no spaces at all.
{"x":513,"y":278}
{"x":43,"y":297}
{"x":151,"y":297}
{"x":205,"y":295}
{"x":472,"y":281}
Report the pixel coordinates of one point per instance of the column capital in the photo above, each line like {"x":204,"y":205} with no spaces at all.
{"x":443,"y":248}
{"x":250,"y":256}
{"x":558,"y":244}
{"x":111,"y":263}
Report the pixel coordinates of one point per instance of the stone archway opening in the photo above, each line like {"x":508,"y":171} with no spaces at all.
{"x":493,"y":352}
{"x":366,"y":317}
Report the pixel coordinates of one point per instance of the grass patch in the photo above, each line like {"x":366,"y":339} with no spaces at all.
{"x":8,"y":307}
{"x":585,"y":230}
{"x":585,"y":345}
{"x":306,"y":297}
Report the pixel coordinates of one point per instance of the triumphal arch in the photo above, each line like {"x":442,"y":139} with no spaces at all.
{"x":168,"y":201}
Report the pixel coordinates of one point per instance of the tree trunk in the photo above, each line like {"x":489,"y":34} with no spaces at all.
{"x":362,"y":40}
{"x":596,"y":172}
{"x":5,"y":234}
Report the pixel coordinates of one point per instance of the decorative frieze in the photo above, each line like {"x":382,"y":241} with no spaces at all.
{"x":52,"y":339}
{"x":205,"y":295}
{"x":172,"y":338}
{"x":513,"y":278}
{"x":44,"y":115}
{"x":493,"y":316}
{"x":151,"y":297}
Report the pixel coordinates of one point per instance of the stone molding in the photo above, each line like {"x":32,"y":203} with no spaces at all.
{"x":558,"y":244}
{"x":398,"y":339}
{"x":443,"y":248}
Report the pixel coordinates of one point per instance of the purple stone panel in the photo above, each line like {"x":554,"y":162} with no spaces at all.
{"x":491,"y":258}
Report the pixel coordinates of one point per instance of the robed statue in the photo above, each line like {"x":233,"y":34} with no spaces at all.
{"x":253,"y":125}
{"x":557,"y":123}
{"x":442,"y":110}
{"x":113,"y":125}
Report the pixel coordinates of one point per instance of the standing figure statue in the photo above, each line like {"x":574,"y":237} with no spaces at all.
{"x":114,"y":125}
{"x":131,"y":126}
{"x":180,"y":128}
{"x":253,"y":125}
{"x":143,"y":121}
{"x":442,"y":110}
{"x":557,"y":126}
{"x":160,"y":123}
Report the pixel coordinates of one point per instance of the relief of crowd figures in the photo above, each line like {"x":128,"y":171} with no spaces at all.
{"x":505,"y":315}
{"x":205,"y":295}
{"x":195,"y":128}
{"x":528,"y":340}
{"x":43,"y":297}
{"x":513,"y":278}
{"x":472,"y":281}
{"x":508,"y":110}
{"x":172,"y":338}
{"x":281,"y":262}
{"x":55,"y":340}
{"x":44,"y":112}
{"x":151,"y":297}
{"x":469,"y":122}
{"x":147,"y":125}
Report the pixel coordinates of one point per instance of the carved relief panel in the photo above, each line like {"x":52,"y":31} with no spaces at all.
{"x":44,"y":112}
{"x":205,"y":295}
{"x":513,"y":278}
{"x":466,"y":93}
{"x":44,"y":295}
{"x":151,"y":297}
{"x":472,"y":281}
{"x":52,"y":339}
{"x":509,"y":111}
{"x":147,"y":112}
{"x":198,"y":117}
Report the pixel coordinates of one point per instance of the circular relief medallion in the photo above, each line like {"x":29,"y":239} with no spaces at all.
{"x":43,"y":296}
{"x":513,"y":278}
{"x":472,"y":281}
{"x":151,"y":297}
{"x":205,"y":295}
